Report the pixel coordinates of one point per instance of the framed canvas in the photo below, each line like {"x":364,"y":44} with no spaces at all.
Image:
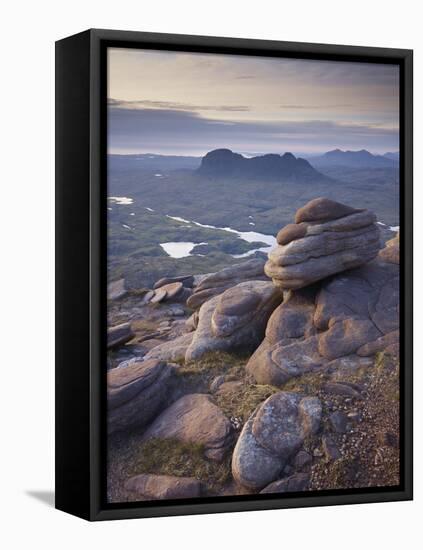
{"x":234,"y":274}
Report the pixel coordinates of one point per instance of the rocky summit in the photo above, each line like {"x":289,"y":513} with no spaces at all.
{"x":274,"y":376}
{"x":327,"y":238}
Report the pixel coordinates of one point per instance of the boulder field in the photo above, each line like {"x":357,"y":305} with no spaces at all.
{"x":323,"y":307}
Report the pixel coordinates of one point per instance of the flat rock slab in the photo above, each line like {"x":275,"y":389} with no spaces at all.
{"x":159,"y":487}
{"x":186,"y":280}
{"x":272,"y":435}
{"x":136,"y":393}
{"x":159,"y":296}
{"x":119,"y":335}
{"x":195,"y":419}
{"x":172,"y":290}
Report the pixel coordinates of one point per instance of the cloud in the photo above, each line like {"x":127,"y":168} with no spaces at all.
{"x":146,"y":103}
{"x":163,"y":130}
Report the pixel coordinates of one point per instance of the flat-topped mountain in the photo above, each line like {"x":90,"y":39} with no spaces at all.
{"x":225,"y":163}
{"x":358,"y":159}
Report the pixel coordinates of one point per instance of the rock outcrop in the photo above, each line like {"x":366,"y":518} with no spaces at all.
{"x":136,"y":393}
{"x":235,"y":319}
{"x":172,"y":350}
{"x":194,"y":419}
{"x":353,"y":314}
{"x":216,"y":283}
{"x":273,"y":434}
{"x":327,"y":238}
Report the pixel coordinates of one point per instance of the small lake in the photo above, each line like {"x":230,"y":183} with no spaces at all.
{"x":179,"y":250}
{"x":248,"y":236}
{"x":121,"y":200}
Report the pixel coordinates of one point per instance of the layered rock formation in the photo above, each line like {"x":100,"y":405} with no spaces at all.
{"x":274,"y":433}
{"x":216,"y":283}
{"x":137,"y":393}
{"x":327,"y":238}
{"x":356,"y":313}
{"x":235,"y":319}
{"x":119,"y":335}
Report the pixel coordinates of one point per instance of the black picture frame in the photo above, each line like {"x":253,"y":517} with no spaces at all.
{"x":81,"y":167}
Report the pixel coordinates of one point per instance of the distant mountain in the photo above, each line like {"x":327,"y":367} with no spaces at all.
{"x":356,"y":159}
{"x":393,"y":156}
{"x":225,"y":163}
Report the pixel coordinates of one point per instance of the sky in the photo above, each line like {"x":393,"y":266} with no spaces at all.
{"x":191,"y":103}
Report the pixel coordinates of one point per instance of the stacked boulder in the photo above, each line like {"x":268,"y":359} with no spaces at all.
{"x":326,"y":238}
{"x":330,"y":311}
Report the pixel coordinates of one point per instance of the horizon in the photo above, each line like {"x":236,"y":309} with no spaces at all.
{"x":186,"y":104}
{"x":256,"y":154}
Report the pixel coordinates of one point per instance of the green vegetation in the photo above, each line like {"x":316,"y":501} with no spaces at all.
{"x":172,"y":457}
{"x":243,"y":401}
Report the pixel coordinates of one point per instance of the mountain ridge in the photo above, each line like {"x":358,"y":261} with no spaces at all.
{"x":226,"y":163}
{"x":360,"y":159}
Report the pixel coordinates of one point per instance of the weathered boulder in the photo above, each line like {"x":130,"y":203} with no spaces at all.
{"x":273,"y":434}
{"x":391,"y":252}
{"x":160,"y":487}
{"x":330,"y":238}
{"x":235,"y":319}
{"x":195,"y":419}
{"x":216,"y":283}
{"x":116,"y":290}
{"x":345,"y":337}
{"x":119,"y":335}
{"x":136,"y":393}
{"x":172,"y":350}
{"x":276,"y":364}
